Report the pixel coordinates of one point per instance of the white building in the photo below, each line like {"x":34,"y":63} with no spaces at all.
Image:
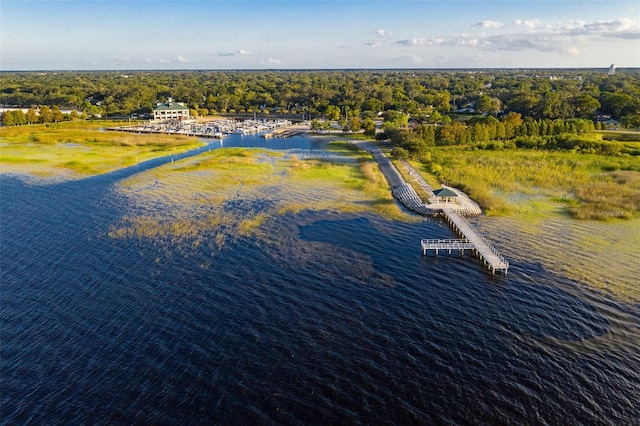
{"x":171,"y":110}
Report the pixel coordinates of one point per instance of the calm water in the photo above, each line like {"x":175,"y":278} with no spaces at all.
{"x":336,"y":319}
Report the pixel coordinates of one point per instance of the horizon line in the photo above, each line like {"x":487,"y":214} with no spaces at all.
{"x":313,"y":69}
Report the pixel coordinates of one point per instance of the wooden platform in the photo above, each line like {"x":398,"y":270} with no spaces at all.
{"x":485,"y":251}
{"x":453,"y":212}
{"x":447,"y":245}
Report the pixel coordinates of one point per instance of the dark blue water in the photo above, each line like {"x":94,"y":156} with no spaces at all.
{"x":334,"y":319}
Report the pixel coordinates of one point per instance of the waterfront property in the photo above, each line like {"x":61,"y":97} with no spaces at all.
{"x":170,"y":110}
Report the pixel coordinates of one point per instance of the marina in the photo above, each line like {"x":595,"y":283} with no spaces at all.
{"x":217,"y":129}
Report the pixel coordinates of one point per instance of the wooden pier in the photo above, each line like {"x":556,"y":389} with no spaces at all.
{"x":447,"y":245}
{"x":492,"y":259}
{"x":453,"y":212}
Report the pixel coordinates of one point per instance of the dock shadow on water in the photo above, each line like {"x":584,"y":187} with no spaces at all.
{"x":318,"y":317}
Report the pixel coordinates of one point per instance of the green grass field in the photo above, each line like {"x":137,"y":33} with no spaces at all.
{"x":74,"y":150}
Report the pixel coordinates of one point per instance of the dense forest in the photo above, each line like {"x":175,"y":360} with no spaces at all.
{"x":540,"y":94}
{"x":500,"y":108}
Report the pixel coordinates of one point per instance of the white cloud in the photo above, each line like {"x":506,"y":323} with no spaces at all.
{"x":471,"y":42}
{"x":618,"y":28}
{"x":383,"y":33}
{"x":243,"y":52}
{"x":274,"y":61}
{"x":181,"y":59}
{"x":490,"y":24}
{"x":420,"y":41}
{"x":416,"y":59}
{"x":569,"y":38}
{"x":531,"y":23}
{"x":375,"y":44}
{"x":573,"y":51}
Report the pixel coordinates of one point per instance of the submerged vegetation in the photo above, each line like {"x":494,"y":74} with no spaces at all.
{"x":231,"y":193}
{"x":79,"y":149}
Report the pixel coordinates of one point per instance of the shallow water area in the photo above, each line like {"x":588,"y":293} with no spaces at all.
{"x":320,"y":317}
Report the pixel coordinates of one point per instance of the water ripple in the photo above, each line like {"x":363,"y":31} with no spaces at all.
{"x":334,"y":319}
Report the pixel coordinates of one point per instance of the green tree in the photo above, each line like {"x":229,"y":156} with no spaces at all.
{"x":512,"y":121}
{"x":369,"y":127}
{"x":8,"y":119}
{"x":585,"y":105}
{"x":31,"y":116}
{"x":45,"y":115}
{"x":19,"y":117}
{"x":355,"y":124}
{"x":450,"y":134}
{"x":332,"y":112}
{"x":56,"y":114}
{"x":398,"y":153}
{"x":484,"y":104}
{"x":631,"y":121}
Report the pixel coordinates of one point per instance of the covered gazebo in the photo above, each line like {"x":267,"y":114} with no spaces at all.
{"x":445,"y":195}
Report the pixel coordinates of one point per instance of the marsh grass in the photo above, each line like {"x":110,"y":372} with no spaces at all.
{"x":233,"y":193}
{"x":602,"y":255}
{"x":619,"y":135}
{"x":80,"y":149}
{"x":550,"y":183}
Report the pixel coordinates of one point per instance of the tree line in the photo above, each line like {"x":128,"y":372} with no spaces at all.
{"x":510,"y":131}
{"x":425,"y":95}
{"x":43,"y":114}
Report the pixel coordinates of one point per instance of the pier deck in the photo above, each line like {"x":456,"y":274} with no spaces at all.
{"x":453,"y":212}
{"x":489,"y":255}
{"x":448,"y":245}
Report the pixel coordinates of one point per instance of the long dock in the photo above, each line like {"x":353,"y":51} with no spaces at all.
{"x":492,"y":259}
{"x":453,"y":212}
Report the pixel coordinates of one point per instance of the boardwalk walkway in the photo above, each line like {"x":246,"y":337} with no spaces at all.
{"x":485,"y":251}
{"x":453,"y":212}
{"x":464,"y":205}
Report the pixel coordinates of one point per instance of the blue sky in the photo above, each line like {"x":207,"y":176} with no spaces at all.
{"x":305,"y":34}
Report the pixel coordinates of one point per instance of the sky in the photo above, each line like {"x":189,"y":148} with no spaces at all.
{"x":317,"y":34}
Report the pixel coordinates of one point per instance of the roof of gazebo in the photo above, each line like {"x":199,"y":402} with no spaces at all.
{"x":444,"y":192}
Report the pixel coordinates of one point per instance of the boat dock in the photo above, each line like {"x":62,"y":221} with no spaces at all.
{"x":217,"y":129}
{"x":454,"y":212}
{"x":489,"y":255}
{"x":288,"y":132}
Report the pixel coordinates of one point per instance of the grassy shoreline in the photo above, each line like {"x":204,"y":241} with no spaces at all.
{"x":232,"y":193}
{"x":74,"y":150}
{"x":229,"y":193}
{"x":531,"y":183}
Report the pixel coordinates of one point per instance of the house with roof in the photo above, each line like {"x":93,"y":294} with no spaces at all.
{"x":445,"y":195}
{"x":170,"y":110}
